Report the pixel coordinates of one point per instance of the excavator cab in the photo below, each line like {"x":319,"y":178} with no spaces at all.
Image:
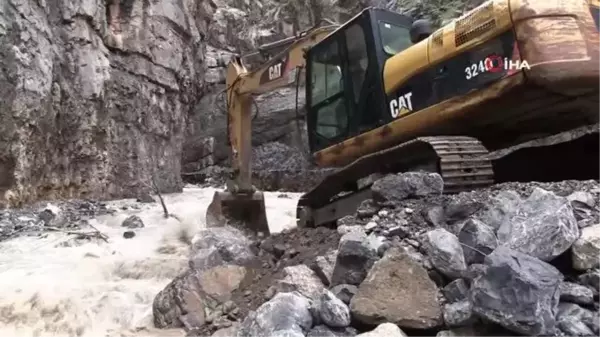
{"x":344,"y":74}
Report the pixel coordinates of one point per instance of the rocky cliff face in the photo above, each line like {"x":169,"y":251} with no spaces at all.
{"x":95,"y":94}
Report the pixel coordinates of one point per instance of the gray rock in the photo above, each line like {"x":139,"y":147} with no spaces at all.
{"x":478,"y":240}
{"x":344,"y":292}
{"x":458,"y":314}
{"x":128,"y":234}
{"x":581,"y":198}
{"x":501,"y":209}
{"x":180,"y":304}
{"x":518,"y":292}
{"x":333,"y":312}
{"x":206,"y":258}
{"x":325,"y":331}
{"x":232,"y":245}
{"x":586,"y":250}
{"x":545,"y":226}
{"x":574,"y":328}
{"x":397,"y":187}
{"x":367,"y":209}
{"x":227,"y":332}
{"x":355,"y":258}
{"x":132,"y":222}
{"x":456,"y":290}
{"x":591,"y":278}
{"x":575,"y":320}
{"x":302,"y":279}
{"x":384,"y":330}
{"x":575,"y":293}
{"x":286,"y":314}
{"x":446,"y":253}
{"x":323,"y":266}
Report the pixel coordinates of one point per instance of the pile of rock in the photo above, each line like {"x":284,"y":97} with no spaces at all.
{"x":513,"y":259}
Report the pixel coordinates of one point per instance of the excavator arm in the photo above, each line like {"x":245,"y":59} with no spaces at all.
{"x":240,"y":204}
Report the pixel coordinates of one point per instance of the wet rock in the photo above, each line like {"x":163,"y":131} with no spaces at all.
{"x":397,"y":187}
{"x":302,"y":279}
{"x":458,"y":314}
{"x":145,"y":198}
{"x":456,"y":290}
{"x":203,"y":259}
{"x":384,"y":330}
{"x":474,"y":271}
{"x":545,"y":226}
{"x":128,"y":234}
{"x":180,"y":304}
{"x":445,"y":253}
{"x":325,"y":331}
{"x":354,"y":259}
{"x":333,"y":312}
{"x":286,"y":314}
{"x":397,"y":290}
{"x":219,"y":282}
{"x":133,"y":222}
{"x":518,"y":292}
{"x":344,"y":292}
{"x":586,"y":250}
{"x":575,"y":293}
{"x":435,"y":216}
{"x":478,"y":240}
{"x":231,"y":244}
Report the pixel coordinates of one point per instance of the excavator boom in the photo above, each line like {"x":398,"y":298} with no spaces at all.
{"x":240,"y":204}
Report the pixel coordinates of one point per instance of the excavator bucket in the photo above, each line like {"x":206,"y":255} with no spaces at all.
{"x":239,"y":210}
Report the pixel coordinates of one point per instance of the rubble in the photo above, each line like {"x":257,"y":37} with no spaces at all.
{"x":485,"y":262}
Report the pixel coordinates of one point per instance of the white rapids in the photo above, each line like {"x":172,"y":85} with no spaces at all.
{"x":55,"y":285}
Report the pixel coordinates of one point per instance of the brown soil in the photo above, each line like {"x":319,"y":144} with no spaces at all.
{"x":302,"y":246}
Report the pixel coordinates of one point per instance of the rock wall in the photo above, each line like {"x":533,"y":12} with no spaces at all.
{"x":95,"y":95}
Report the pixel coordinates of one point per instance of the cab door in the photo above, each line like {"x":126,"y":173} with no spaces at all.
{"x":327,"y":100}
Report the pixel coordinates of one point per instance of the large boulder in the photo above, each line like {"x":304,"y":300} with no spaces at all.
{"x":180,"y":304}
{"x":220,"y":245}
{"x":445,"y":253}
{"x":586,"y":250}
{"x":544,"y":226}
{"x":518,"y":292}
{"x":286,"y":314}
{"x":397,"y":290}
{"x":354,"y":259}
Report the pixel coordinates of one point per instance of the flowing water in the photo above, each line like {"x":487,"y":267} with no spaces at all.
{"x":58,"y":285}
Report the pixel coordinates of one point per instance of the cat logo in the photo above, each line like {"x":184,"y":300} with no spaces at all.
{"x":401,"y":105}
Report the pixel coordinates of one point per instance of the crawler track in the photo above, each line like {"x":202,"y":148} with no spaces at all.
{"x":460,"y":160}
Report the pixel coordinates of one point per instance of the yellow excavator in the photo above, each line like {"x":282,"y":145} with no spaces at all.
{"x":385,"y":93}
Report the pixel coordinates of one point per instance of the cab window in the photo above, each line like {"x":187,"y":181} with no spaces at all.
{"x":394,"y":38}
{"x":327,"y":88}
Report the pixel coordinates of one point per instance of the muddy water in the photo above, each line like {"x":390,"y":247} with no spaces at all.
{"x":58,"y":285}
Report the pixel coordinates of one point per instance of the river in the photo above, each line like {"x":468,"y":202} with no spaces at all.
{"x":57,"y":285}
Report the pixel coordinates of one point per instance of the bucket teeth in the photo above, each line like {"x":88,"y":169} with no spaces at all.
{"x":246,"y":211}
